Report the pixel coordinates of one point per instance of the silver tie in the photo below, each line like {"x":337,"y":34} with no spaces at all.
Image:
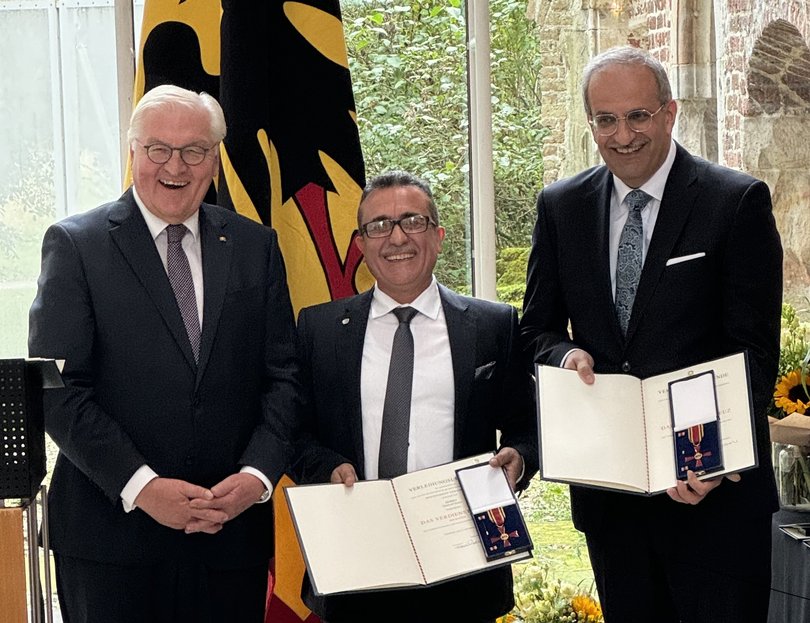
{"x":183,"y":285}
{"x":397,"y":407}
{"x":628,"y":261}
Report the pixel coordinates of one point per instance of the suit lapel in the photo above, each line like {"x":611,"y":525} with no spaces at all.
{"x":597,"y":235}
{"x":130,"y":234}
{"x":461,"y":332}
{"x":350,"y":329}
{"x":679,"y":198}
{"x":217,"y":251}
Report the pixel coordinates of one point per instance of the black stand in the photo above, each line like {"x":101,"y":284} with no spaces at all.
{"x":22,"y":462}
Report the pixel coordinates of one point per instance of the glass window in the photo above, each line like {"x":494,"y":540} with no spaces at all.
{"x":59,"y":123}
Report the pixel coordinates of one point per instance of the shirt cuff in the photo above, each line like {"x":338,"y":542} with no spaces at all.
{"x":565,"y":357}
{"x":143,"y":476}
{"x":255,"y":472}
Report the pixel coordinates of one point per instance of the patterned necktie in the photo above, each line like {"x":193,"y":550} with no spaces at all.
{"x":183,"y":285}
{"x":628,"y":262}
{"x":397,"y":407}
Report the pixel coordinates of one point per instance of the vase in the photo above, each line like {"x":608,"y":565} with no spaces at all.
{"x":792,"y":467}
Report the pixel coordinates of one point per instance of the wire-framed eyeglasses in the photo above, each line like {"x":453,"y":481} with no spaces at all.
{"x":160,"y":153}
{"x":637,"y":120}
{"x":414,"y":224}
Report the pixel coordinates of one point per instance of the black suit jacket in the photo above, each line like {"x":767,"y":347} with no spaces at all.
{"x":724,"y":302}
{"x":133,"y":394}
{"x":492,"y":392}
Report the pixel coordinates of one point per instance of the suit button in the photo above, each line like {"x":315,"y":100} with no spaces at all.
{"x":626,"y":366}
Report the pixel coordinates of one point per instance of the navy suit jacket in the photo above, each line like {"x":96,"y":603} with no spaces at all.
{"x":133,"y":394}
{"x":723,"y":302}
{"x":492,"y":392}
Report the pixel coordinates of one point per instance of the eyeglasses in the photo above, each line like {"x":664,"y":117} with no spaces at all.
{"x":160,"y":153}
{"x":414,"y":224}
{"x":637,"y":120}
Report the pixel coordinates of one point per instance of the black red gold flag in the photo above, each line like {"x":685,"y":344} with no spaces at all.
{"x":292,"y":156}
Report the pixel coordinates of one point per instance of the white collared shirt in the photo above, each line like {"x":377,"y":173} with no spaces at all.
{"x":433,"y":399}
{"x":649,"y":214}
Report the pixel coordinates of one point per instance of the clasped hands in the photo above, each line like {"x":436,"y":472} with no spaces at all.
{"x":689,"y":491}
{"x":185,"y":506}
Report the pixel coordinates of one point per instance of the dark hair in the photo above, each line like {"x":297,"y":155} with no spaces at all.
{"x":626,"y":55}
{"x":393,"y":179}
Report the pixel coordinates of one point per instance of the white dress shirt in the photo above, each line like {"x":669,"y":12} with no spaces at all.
{"x":433,"y":400}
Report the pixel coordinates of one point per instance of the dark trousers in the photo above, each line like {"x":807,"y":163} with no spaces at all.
{"x":668,"y":570}
{"x":169,"y":592}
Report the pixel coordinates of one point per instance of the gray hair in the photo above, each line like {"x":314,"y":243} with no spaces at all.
{"x":395,"y":179}
{"x":171,"y":96}
{"x":626,"y":55}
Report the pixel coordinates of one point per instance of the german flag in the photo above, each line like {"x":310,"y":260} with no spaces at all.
{"x":291,"y":158}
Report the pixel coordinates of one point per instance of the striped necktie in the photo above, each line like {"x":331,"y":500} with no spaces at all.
{"x":183,"y":285}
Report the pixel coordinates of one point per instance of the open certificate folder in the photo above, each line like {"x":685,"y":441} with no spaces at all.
{"x":409,"y":531}
{"x":618,"y":432}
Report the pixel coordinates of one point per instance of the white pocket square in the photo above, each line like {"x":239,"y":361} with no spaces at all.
{"x":685,"y":258}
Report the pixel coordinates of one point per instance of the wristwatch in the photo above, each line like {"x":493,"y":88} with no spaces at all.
{"x":264,"y":497}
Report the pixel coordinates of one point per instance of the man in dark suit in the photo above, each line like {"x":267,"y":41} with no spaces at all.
{"x":175,"y":324}
{"x":467,"y":385}
{"x":710,"y":285}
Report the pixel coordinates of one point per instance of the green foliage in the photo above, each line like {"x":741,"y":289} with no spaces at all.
{"x":545,"y":501}
{"x":794,"y":342}
{"x":408,"y":64}
{"x":559,"y":547}
{"x":510,"y":268}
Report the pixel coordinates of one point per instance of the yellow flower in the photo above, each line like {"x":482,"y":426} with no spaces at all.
{"x":789,"y":394}
{"x":507,"y":618}
{"x":586,"y":609}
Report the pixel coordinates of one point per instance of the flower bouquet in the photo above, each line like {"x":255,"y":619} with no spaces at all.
{"x":539,"y":599}
{"x":789,"y":414}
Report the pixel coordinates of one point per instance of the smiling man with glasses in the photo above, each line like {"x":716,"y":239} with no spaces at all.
{"x":461,"y":377}
{"x":175,"y":324}
{"x":657,"y":261}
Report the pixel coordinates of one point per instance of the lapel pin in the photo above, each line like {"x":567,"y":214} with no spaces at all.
{"x":344,"y":321}
{"x":223,"y":239}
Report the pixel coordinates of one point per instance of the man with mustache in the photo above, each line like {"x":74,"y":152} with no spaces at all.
{"x":654,"y":262}
{"x":468,"y":384}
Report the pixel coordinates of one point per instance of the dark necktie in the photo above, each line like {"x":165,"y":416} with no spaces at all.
{"x":183,"y":285}
{"x":397,"y":407}
{"x":628,"y":261}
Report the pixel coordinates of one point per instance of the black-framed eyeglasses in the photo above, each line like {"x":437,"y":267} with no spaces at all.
{"x":160,"y":153}
{"x":414,"y":224}
{"x":637,"y":120}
